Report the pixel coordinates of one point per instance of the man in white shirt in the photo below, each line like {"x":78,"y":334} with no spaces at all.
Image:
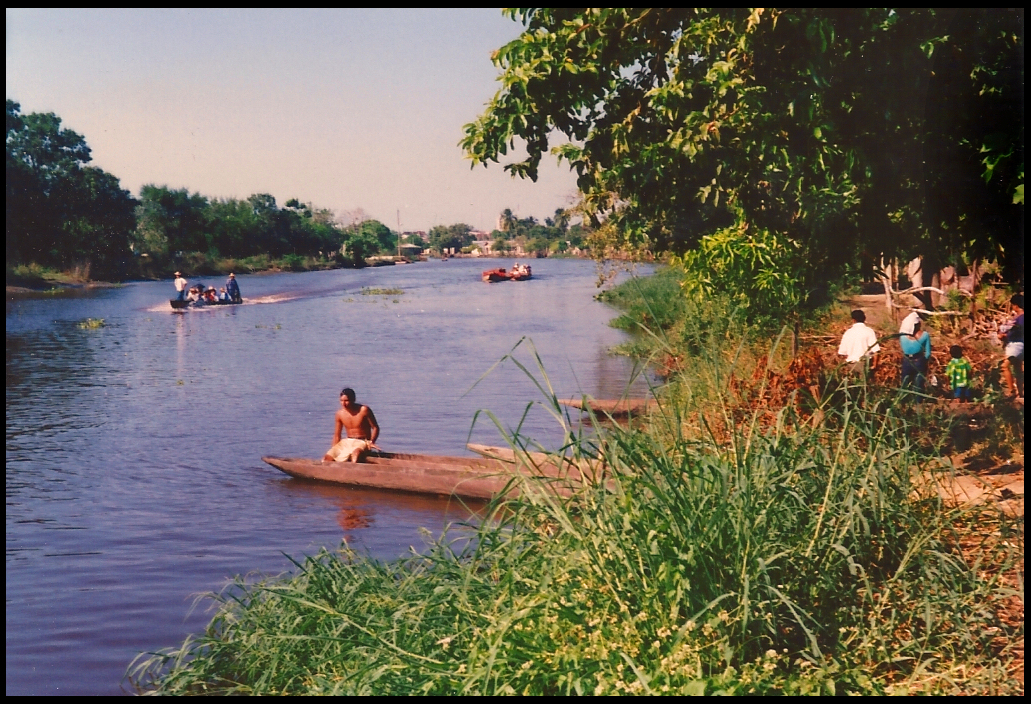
{"x":180,"y":285}
{"x":859,"y":343}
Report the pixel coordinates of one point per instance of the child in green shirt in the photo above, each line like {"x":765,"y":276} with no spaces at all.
{"x":959,"y":371}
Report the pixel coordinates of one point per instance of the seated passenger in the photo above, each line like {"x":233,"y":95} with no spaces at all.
{"x":224,"y":297}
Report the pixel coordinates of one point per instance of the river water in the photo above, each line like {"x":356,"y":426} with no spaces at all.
{"x":134,"y":478}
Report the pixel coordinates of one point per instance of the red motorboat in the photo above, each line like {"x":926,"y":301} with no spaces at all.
{"x":495,"y":275}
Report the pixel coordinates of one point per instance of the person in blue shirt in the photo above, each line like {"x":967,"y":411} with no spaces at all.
{"x":916,"y":352}
{"x":233,"y":289}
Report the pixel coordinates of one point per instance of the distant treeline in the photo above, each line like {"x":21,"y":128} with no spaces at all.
{"x":64,"y":214}
{"x":554,"y":236}
{"x":173,"y":222}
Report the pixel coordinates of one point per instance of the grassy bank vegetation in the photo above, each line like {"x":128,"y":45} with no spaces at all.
{"x":781,"y":549}
{"x":35,"y":276}
{"x":198,"y":263}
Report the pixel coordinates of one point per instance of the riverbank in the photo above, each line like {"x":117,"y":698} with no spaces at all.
{"x":754,"y":539}
{"x":32,"y":279}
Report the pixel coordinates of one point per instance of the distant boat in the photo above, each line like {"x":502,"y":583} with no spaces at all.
{"x":493,"y":275}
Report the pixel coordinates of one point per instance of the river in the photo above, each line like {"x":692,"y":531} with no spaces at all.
{"x":134,"y":478}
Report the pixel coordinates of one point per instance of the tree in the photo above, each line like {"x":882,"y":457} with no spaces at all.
{"x":376,"y":236}
{"x":61,"y":212}
{"x":99,"y":222}
{"x":172,"y":220}
{"x":359,"y":245}
{"x":506,"y":220}
{"x":844,"y":131}
{"x":500,"y":244}
{"x":443,"y":237}
{"x":561,"y":219}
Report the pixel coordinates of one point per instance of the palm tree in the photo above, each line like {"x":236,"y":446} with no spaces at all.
{"x":506,"y":220}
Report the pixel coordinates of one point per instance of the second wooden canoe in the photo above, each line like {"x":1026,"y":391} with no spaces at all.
{"x":612,"y":407}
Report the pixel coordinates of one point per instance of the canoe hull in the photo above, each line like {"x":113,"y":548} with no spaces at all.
{"x":184,"y":305}
{"x":494,"y":275}
{"x":470,"y":478}
{"x":612,"y":407}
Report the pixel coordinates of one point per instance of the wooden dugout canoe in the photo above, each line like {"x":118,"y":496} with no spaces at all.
{"x":186,"y":305}
{"x":612,"y":407}
{"x":579,"y":469}
{"x":466,"y":477}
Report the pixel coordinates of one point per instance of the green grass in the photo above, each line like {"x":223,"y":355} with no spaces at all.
{"x":33,"y":275}
{"x":725,"y":555}
{"x":366,"y":291}
{"x":638,"y":298}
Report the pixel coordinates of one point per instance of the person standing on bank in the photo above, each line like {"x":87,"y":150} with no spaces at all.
{"x":233,"y":289}
{"x":1013,"y":349}
{"x":960,"y":372}
{"x":362,"y":430}
{"x":859,"y":344}
{"x":180,"y":285}
{"x":916,"y":352}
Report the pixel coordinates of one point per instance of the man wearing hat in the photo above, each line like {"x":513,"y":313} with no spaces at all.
{"x":180,"y":286}
{"x":233,"y":289}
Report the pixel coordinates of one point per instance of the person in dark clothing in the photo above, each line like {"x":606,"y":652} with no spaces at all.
{"x":233,"y":289}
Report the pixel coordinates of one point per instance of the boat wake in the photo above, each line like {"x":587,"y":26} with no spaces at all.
{"x":274,"y":298}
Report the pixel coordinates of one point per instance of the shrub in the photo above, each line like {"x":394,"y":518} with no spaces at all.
{"x":760,"y":271}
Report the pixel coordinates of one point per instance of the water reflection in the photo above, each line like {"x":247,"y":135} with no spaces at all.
{"x":361,"y":509}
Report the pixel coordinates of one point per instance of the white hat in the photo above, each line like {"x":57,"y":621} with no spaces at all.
{"x":909,"y":323}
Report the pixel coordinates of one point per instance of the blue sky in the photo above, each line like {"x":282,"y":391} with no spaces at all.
{"x":345,"y":109}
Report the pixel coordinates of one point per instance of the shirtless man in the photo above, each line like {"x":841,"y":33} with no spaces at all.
{"x":362,"y":430}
